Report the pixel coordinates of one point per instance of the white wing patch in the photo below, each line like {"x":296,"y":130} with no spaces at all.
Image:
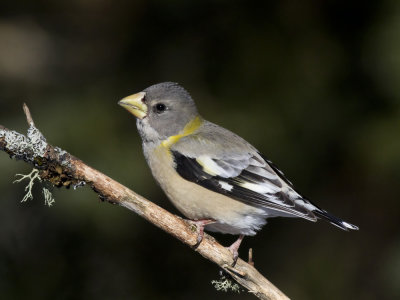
{"x":229,"y":168}
{"x":211,"y":167}
{"x":225,"y":185}
{"x":261,"y":188}
{"x":221,"y":168}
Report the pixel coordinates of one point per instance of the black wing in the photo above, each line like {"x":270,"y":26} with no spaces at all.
{"x":255,"y":182}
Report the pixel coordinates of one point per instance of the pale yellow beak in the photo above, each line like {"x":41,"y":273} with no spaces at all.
{"x":135,"y":105}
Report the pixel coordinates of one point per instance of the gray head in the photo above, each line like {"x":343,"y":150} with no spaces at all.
{"x":162,"y":110}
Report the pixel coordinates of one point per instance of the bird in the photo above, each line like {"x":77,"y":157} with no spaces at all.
{"x":215,"y":178}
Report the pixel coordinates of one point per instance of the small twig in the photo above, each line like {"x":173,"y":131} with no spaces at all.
{"x":232,"y":270}
{"x":251,"y":261}
{"x":28,"y":115}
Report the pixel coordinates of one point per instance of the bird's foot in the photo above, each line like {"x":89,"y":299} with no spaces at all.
{"x":234,"y":249}
{"x":198,"y":226}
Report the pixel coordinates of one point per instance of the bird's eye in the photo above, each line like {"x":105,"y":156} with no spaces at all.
{"x":160,"y":107}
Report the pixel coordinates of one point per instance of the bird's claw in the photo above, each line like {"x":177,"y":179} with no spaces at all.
{"x":234,"y":249}
{"x":199,"y":228}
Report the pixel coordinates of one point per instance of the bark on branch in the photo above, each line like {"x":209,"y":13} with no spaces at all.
{"x":62,"y":169}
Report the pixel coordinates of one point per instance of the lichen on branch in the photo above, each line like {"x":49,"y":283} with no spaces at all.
{"x":28,"y":189}
{"x":31,"y":177}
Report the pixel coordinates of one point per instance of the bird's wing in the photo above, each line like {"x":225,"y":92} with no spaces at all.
{"x":234,"y":168}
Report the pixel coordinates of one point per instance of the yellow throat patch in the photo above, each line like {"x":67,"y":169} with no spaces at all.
{"x":190,"y":127}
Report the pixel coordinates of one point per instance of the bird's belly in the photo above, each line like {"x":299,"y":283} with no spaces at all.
{"x":197,"y":202}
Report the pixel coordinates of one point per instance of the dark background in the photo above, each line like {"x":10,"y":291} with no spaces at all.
{"x":314,"y":85}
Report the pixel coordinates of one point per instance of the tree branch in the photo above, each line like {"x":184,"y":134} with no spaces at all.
{"x":62,"y":169}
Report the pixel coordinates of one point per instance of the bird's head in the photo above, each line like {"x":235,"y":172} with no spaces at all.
{"x":162,"y":110}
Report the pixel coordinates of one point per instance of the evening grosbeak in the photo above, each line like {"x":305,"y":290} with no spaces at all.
{"x":213,"y":177}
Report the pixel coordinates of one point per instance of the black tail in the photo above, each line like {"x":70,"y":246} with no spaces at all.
{"x":334,"y":220}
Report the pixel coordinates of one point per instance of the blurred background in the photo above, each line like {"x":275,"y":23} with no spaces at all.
{"x":314,"y":85}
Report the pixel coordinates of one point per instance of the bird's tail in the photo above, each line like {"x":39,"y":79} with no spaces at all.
{"x":320,"y":213}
